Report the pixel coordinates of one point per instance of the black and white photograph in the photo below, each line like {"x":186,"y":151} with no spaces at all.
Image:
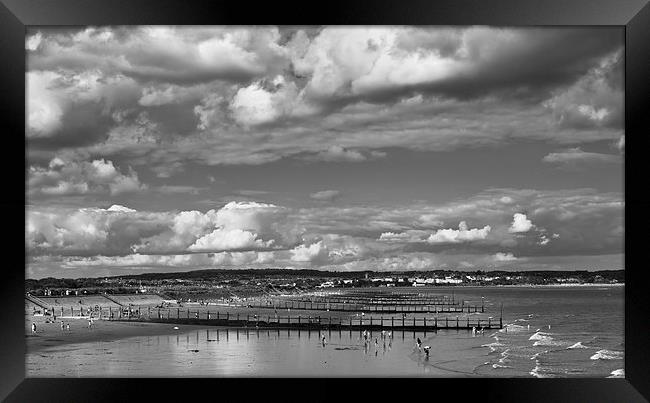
{"x":324,"y":201}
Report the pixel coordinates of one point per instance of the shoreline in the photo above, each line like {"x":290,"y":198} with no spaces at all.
{"x":50,"y":334}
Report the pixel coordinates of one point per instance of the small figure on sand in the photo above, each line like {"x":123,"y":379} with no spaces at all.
{"x":90,"y":323}
{"x":324,"y":341}
{"x":67,"y":327}
{"x":426,"y":351}
{"x":473,"y":330}
{"x":390,"y":335}
{"x":419,"y":344}
{"x":365,"y":336}
{"x":33,"y":327}
{"x":62,"y":326}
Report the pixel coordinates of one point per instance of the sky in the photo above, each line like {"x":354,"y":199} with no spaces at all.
{"x":162,"y":149}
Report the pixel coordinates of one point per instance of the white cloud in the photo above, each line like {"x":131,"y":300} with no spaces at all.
{"x":254,"y":105}
{"x":33,"y":42}
{"x":220,"y":239}
{"x":72,"y":177}
{"x":336,"y":153}
{"x":520,"y":224}
{"x":572,"y":156}
{"x":504,"y":257}
{"x":325,"y":195}
{"x":462,"y":234}
{"x":621,"y":144}
{"x":121,"y":209}
{"x":314,"y":253}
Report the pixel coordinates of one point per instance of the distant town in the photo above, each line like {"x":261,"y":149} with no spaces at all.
{"x":223,"y":283}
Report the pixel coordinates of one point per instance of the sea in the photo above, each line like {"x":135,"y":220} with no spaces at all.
{"x":549,"y":332}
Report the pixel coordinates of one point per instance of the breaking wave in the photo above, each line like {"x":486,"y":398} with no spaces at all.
{"x":577,"y":345}
{"x":607,"y":355}
{"x":617,"y":373}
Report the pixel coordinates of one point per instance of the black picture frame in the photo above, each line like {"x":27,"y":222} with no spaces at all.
{"x":634,"y":15}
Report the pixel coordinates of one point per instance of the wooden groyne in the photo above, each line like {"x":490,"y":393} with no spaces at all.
{"x":325,"y":323}
{"x":207,"y":318}
{"x":361,"y":300}
{"x":376,"y":308}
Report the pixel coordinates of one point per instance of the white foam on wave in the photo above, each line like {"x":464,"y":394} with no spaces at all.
{"x":547,"y":342}
{"x":537,"y":372}
{"x":495,"y":366}
{"x":617,"y":373}
{"x":492,"y":346}
{"x":540,"y":336}
{"x":607,"y":355}
{"x":577,"y":345}
{"x":534,"y":357}
{"x":504,"y":356}
{"x":513,"y":328}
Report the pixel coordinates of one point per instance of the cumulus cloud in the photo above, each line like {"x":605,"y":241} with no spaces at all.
{"x":325,"y":195}
{"x":164,"y":53}
{"x":121,"y":230}
{"x":595,"y":100}
{"x":63,"y":177}
{"x":575,"y":156}
{"x":620,"y":144}
{"x":520,"y":223}
{"x":59,"y":102}
{"x":251,"y":95}
{"x":220,"y":239}
{"x":337,"y":153}
{"x":314,"y":253}
{"x":462,"y":234}
{"x":196,"y":260}
{"x":255,"y":104}
{"x":504,"y":257}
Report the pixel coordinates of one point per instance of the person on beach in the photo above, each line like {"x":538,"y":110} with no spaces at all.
{"x":33,"y":327}
{"x":419,"y":344}
{"x":426,"y":351}
{"x":324,"y":341}
{"x":383,"y":334}
{"x":67,"y":327}
{"x":62,"y":326}
{"x":90,"y":323}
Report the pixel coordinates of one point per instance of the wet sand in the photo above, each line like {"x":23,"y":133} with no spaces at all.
{"x":51,"y":335}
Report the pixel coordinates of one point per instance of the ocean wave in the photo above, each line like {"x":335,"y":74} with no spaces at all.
{"x":504,"y":357}
{"x":540,"y":336}
{"x":512,"y":328}
{"x":617,"y":373}
{"x":495,"y":366}
{"x":492,"y":346}
{"x":538,"y":372}
{"x":547,"y":342}
{"x":534,"y":357}
{"x":607,"y":355}
{"x":577,"y":345}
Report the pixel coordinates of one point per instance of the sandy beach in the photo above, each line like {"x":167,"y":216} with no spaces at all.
{"x":51,"y":335}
